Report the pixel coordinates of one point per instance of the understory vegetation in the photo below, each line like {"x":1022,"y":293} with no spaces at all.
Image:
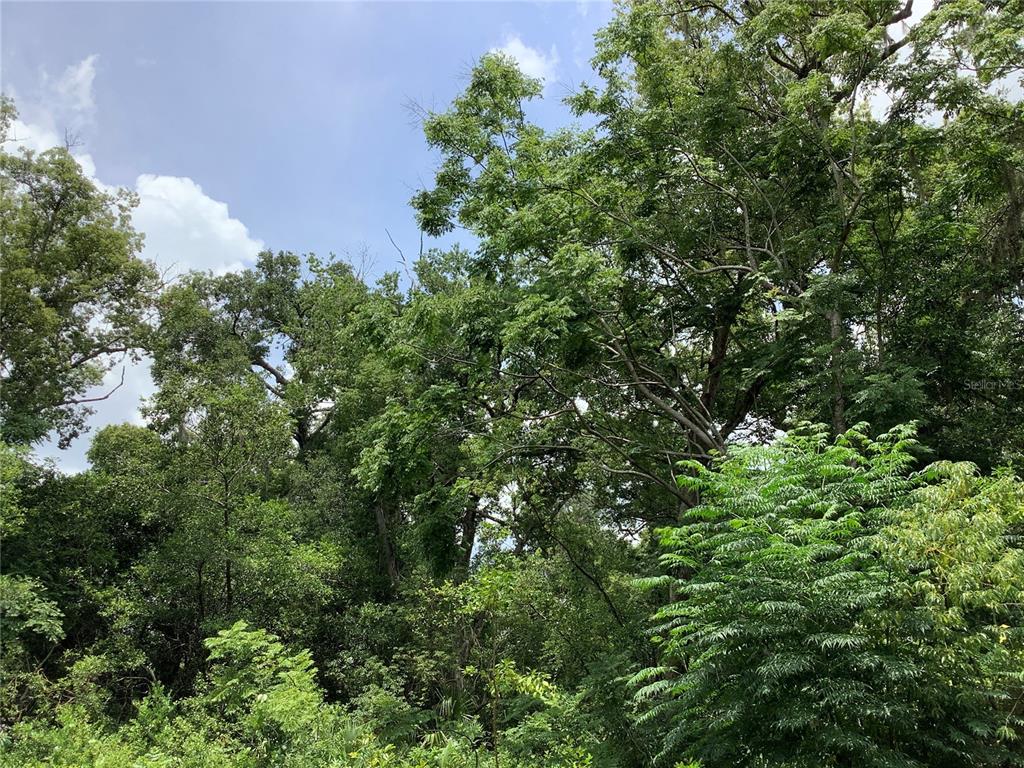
{"x":708,"y":453}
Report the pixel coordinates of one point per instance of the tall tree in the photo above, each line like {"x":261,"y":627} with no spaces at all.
{"x":832,"y":614}
{"x":721,"y":254}
{"x":75,"y":292}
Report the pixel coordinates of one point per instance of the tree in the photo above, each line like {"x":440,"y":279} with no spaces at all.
{"x":271,"y":324}
{"x":75,"y":293}
{"x":230,"y":545}
{"x":824,"y":611}
{"x":450,"y":491}
{"x":70,"y":540}
{"x":28,"y":614}
{"x":737,"y":244}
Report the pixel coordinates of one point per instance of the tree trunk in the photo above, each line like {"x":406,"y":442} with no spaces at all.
{"x":228,"y":594}
{"x":467,"y":538}
{"x":201,"y":590}
{"x":837,"y":333}
{"x":386,"y":547}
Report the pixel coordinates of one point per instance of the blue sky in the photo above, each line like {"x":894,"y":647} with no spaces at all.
{"x":245,"y":125}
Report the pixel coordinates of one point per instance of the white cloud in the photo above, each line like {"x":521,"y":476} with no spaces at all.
{"x":532,"y":61}
{"x":1010,"y":87}
{"x":64,"y":106}
{"x":61,"y":106}
{"x":32,"y":136}
{"x":879,"y":100}
{"x":74,"y":87}
{"x":39,"y":138}
{"x":185,"y":229}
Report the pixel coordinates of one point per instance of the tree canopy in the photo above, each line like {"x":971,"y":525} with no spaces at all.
{"x":707,"y":453}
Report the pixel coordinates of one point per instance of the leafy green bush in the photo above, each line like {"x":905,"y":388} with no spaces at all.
{"x":261,"y":707}
{"x":829,"y":609}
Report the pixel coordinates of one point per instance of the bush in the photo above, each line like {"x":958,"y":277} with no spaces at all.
{"x":829,"y":609}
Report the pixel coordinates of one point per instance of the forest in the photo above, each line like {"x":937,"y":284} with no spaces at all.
{"x":703,"y":450}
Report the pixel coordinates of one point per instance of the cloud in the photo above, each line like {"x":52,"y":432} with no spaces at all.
{"x":32,"y":136}
{"x":1009,"y":87}
{"x":879,"y":100}
{"x":39,"y":138}
{"x":64,"y":106}
{"x":532,"y":61}
{"x":185,"y":229}
{"x":74,"y":88}
{"x":61,"y":105}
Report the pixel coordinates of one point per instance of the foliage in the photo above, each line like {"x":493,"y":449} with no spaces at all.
{"x":407,"y":523}
{"x":826,"y":611}
{"x":75,"y":293}
{"x":261,"y":707}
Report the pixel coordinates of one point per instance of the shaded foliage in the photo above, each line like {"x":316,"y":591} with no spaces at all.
{"x":425,"y":523}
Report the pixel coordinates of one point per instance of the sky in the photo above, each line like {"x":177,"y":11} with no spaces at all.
{"x":252,"y":125}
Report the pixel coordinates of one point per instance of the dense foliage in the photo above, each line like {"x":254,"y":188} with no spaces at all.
{"x":74,"y":294}
{"x":835,"y":611}
{"x":708,"y":454}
